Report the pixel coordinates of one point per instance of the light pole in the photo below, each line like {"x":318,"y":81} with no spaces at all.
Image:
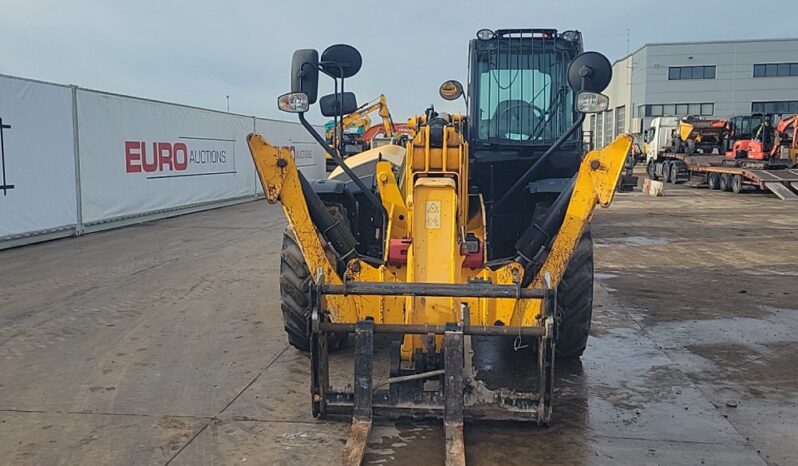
{"x":228,"y":103}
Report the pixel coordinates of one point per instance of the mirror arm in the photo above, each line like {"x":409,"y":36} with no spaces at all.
{"x":531,"y":171}
{"x":339,"y":161}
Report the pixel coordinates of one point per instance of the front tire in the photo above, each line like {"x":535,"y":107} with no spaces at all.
{"x":575,"y":301}
{"x":295,"y":296}
{"x":651,"y":170}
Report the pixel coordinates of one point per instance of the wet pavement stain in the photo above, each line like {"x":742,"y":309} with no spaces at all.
{"x":691,"y":357}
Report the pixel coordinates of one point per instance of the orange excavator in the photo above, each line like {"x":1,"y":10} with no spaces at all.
{"x":785,"y":146}
{"x":378,"y":135}
{"x":749,"y":140}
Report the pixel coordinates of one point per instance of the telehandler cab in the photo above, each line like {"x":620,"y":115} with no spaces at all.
{"x":481,"y":230}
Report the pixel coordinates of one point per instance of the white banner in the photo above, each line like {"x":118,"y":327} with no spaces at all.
{"x":139,"y":156}
{"x":136,"y":158}
{"x":37,"y":158}
{"x":309,"y":156}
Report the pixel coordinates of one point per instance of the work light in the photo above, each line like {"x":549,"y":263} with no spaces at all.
{"x":293,"y":102}
{"x":485,"y":34}
{"x":591,"y":102}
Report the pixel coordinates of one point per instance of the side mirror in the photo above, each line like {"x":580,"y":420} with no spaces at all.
{"x":451,"y":90}
{"x":338,"y":105}
{"x":341,"y":61}
{"x":293,"y":102}
{"x":589,"y":71}
{"x":305,"y":73}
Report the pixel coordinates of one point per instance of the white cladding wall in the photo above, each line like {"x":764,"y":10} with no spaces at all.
{"x":38,"y":158}
{"x":136,"y":159}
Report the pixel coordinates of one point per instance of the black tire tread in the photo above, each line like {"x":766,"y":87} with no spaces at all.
{"x":575,"y":301}
{"x":294,"y":283}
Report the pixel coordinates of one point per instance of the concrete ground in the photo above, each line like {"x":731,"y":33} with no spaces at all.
{"x":162,"y":344}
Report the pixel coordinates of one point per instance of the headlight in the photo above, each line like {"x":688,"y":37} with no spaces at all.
{"x":293,"y":102}
{"x":592,"y":102}
{"x":485,"y":34}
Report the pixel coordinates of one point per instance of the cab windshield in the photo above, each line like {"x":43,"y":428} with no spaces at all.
{"x":522,"y":91}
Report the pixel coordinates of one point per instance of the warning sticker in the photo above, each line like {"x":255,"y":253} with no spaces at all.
{"x":433,"y":215}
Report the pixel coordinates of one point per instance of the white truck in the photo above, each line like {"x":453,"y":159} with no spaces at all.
{"x":657,"y":142}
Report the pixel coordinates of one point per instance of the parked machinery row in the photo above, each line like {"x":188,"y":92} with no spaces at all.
{"x":747,"y":141}
{"x":740,"y":153}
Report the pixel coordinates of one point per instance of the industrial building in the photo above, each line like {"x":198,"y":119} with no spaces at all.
{"x":710,"y":79}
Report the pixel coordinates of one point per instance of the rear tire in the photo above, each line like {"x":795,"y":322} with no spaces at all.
{"x":295,"y":296}
{"x":689,"y":147}
{"x":723,"y":183}
{"x":736,"y":184}
{"x":712,"y":181}
{"x":575,"y":301}
{"x":674,"y":173}
{"x":666,"y":172}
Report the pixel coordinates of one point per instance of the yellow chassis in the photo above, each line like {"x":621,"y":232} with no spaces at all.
{"x":409,"y":204}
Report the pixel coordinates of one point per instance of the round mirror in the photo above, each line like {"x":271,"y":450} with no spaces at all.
{"x":341,"y":61}
{"x":451,"y":90}
{"x":589,"y":71}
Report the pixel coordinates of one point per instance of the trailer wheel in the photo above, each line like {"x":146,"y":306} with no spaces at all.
{"x":294,"y":296}
{"x":575,"y":301}
{"x":712,"y":181}
{"x":651,"y":170}
{"x":736,"y":184}
{"x":723,"y":183}
{"x":666,"y":172}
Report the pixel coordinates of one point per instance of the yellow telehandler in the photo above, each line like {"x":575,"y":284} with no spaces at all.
{"x":481,"y":230}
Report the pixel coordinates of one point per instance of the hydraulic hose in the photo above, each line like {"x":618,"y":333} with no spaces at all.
{"x":336,"y":233}
{"x":537,"y":238}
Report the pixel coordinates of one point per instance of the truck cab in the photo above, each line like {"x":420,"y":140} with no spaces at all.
{"x":658,"y":136}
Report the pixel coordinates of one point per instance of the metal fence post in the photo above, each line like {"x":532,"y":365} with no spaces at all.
{"x":76,"y":149}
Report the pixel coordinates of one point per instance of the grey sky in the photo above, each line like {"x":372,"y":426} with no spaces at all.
{"x":196,"y":52}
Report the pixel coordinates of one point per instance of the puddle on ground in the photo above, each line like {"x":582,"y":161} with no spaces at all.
{"x":633,"y":241}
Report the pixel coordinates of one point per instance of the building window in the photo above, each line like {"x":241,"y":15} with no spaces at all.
{"x":691,"y":72}
{"x":593,"y":140}
{"x":779,"y":106}
{"x":620,"y":117}
{"x":607,"y":127}
{"x":656,"y":110}
{"x":772,"y":70}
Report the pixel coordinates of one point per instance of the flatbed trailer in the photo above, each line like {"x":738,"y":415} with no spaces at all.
{"x":713,"y":171}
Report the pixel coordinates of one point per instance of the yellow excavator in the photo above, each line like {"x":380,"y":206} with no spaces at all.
{"x":345,"y":133}
{"x":478,"y":235}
